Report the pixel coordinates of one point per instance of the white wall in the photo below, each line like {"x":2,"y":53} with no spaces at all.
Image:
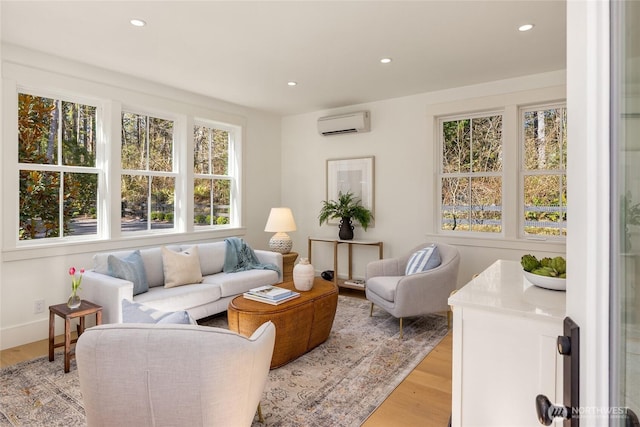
{"x":402,"y":141}
{"x":30,"y":274}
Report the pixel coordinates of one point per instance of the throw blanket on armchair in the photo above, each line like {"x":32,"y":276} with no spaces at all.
{"x":240,"y":257}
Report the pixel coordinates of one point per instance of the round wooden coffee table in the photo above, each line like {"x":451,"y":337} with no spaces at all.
{"x":301,"y":324}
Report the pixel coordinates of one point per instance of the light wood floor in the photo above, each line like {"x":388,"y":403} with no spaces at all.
{"x":422,"y":399}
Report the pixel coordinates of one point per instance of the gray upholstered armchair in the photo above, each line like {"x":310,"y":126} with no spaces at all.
{"x":389,"y":288}
{"x":172,"y":375}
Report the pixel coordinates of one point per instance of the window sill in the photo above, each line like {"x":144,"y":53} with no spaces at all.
{"x":46,"y":250}
{"x":501,"y":243}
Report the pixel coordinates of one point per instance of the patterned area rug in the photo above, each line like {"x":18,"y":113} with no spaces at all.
{"x":341,"y":382}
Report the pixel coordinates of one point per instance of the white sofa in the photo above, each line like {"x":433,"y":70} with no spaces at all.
{"x":200,"y":300}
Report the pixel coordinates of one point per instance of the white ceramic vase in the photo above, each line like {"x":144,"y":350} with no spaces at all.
{"x":303,"y":275}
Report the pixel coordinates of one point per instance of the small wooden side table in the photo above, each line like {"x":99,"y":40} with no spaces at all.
{"x":287,"y":266}
{"x":86,"y":308}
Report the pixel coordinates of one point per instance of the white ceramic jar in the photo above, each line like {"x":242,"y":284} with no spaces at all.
{"x":303,"y":275}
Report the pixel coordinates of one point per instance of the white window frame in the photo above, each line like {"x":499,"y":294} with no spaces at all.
{"x":233,"y":168}
{"x":174,"y":173}
{"x":522,"y":172}
{"x":441,"y":175}
{"x":510,"y":102}
{"x":98,"y":169}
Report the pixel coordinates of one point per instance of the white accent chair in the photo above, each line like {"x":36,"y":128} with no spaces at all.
{"x":172,"y":375}
{"x":400,"y":295}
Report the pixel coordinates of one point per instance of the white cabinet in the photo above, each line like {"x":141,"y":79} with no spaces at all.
{"x":504,"y":348}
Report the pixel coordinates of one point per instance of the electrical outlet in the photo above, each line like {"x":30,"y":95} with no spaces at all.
{"x":38,"y":306}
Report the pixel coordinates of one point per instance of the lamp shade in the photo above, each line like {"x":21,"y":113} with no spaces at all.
{"x":280,"y":220}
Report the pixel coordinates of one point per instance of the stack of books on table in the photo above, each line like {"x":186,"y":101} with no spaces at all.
{"x":271,"y":294}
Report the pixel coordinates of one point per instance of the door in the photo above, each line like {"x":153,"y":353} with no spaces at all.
{"x":625,"y":209}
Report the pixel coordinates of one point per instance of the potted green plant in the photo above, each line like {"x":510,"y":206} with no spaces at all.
{"x":347,"y":207}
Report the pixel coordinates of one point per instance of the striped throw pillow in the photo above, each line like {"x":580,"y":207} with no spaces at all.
{"x":423,"y":260}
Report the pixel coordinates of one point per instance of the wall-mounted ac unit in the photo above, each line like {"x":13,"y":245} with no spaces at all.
{"x":344,"y":123}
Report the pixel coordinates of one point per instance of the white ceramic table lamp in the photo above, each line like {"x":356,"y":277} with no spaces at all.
{"x":280,"y":221}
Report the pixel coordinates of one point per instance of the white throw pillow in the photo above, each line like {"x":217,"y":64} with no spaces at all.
{"x":423,"y":260}
{"x":133,"y":312}
{"x":181,"y":268}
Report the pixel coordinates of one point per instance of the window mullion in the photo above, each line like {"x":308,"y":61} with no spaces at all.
{"x":59,"y":131}
{"x":210,"y":154}
{"x":149,"y":179}
{"x":61,"y":206}
{"x":146,"y":143}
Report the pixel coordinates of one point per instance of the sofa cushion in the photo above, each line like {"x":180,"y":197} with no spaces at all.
{"x":241,"y":281}
{"x":423,"y":260}
{"x":211,"y":257}
{"x":180,"y":297}
{"x":153,"y":264}
{"x":181,"y":268}
{"x":133,"y":312}
{"x":151,"y":257}
{"x":130,"y":268}
{"x":100,"y":261}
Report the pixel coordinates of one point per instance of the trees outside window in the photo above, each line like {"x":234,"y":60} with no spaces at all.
{"x":473,"y":178}
{"x":148,"y":180}
{"x":213,"y":177}
{"x":544,"y":176}
{"x":471,"y":173}
{"x":57,"y":168}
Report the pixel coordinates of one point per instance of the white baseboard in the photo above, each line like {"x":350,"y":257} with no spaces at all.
{"x":37,"y":330}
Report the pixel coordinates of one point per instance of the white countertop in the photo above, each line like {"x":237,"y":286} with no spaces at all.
{"x":503,"y":288}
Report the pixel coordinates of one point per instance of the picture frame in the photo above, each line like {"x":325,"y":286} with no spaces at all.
{"x":355,"y":175}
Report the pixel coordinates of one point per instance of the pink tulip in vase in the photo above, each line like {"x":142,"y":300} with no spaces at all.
{"x":74,"y":299}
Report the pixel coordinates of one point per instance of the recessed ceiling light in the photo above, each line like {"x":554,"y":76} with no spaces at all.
{"x":385,"y":60}
{"x":525,"y":27}
{"x":138,"y":23}
{"x":292,"y":83}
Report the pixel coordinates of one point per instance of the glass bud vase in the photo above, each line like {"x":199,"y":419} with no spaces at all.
{"x":303,"y":275}
{"x":74,"y":300}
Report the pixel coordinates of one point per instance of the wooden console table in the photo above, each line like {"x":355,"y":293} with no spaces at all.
{"x":349,"y":243}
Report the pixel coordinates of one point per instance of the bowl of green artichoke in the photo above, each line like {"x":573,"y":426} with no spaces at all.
{"x":548,"y":273}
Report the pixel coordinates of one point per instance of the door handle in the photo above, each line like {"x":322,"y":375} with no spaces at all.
{"x":547,"y":412}
{"x":631,"y":419}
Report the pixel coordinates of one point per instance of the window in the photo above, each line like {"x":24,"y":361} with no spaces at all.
{"x":57,"y":168}
{"x":67,"y":154}
{"x":148,"y":180}
{"x":471,"y":173}
{"x":544,"y":176}
{"x":213,"y":175}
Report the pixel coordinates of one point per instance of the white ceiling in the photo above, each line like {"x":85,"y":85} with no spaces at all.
{"x":246,"y":52}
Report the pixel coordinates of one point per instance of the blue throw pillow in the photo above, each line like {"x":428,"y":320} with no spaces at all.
{"x":423,"y":260}
{"x":130,"y":268}
{"x":133,"y":312}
